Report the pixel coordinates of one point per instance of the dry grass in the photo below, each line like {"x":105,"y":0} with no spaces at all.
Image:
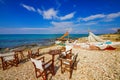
{"x":112,"y":37}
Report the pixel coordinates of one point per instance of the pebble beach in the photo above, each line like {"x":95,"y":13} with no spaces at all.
{"x":92,"y":65}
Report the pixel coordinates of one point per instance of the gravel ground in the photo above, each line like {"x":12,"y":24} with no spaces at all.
{"x":92,"y":65}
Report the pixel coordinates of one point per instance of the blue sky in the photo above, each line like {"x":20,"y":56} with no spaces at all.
{"x":59,"y":16}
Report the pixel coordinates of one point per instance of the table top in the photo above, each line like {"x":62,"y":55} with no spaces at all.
{"x":18,"y":50}
{"x":54,"y":52}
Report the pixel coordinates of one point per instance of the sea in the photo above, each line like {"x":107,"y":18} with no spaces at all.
{"x":17,"y":40}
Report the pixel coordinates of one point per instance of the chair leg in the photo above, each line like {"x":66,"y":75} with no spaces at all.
{"x":52,"y":69}
{"x":16,"y":64}
{"x":71,"y":73}
{"x":75,"y":66}
{"x":45,"y":76}
{"x":62,"y":70}
{"x":4,"y":65}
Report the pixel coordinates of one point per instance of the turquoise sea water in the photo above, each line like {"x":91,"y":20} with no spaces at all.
{"x":15,"y":40}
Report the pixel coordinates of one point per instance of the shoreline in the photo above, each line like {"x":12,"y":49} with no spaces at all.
{"x":111,"y":37}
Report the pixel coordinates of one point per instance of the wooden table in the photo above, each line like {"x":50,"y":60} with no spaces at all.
{"x":53,"y":53}
{"x":20,"y":51}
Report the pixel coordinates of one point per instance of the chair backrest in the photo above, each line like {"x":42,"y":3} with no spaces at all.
{"x":68,"y":47}
{"x":37,"y":64}
{"x":74,"y":58}
{"x":8,"y":56}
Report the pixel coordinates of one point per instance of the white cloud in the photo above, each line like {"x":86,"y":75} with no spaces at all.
{"x":62,"y":27}
{"x":68,"y":16}
{"x":90,"y":23}
{"x":114,"y":29}
{"x":29,"y":8}
{"x":39,"y":11}
{"x":49,"y":14}
{"x":102,"y":17}
{"x":34,"y":29}
{"x":62,"y":24}
{"x":92,"y":17}
{"x":113,"y":15}
{"x":52,"y":14}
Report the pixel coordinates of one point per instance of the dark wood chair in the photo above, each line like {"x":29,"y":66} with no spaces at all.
{"x":42,"y":69}
{"x":9,"y":59}
{"x":69,"y":64}
{"x":65,"y":53}
{"x":33,"y":53}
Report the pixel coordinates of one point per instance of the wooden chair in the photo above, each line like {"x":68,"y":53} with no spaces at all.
{"x":69,"y":64}
{"x":66,"y":52}
{"x":33,"y":53}
{"x":42,"y":69}
{"x":9,"y":59}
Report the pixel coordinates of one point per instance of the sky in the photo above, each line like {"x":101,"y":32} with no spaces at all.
{"x":59,"y":16}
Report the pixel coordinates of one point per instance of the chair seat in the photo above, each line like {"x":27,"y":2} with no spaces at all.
{"x":47,"y":65}
{"x":7,"y":58}
{"x":66,"y":63}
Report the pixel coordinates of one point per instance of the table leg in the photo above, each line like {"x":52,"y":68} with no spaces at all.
{"x":53,"y":65}
{"x":22,"y":55}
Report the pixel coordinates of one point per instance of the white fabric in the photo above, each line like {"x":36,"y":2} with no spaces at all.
{"x":73,"y":58}
{"x":8,"y":56}
{"x":67,"y":50}
{"x":38,"y":63}
{"x":115,"y":43}
{"x":66,"y":63}
{"x":75,"y":42}
{"x":84,"y":45}
{"x":57,"y":42}
{"x":103,"y":46}
{"x":68,"y":47}
{"x":67,"y":42}
{"x":93,"y":38}
{"x":64,"y":53}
